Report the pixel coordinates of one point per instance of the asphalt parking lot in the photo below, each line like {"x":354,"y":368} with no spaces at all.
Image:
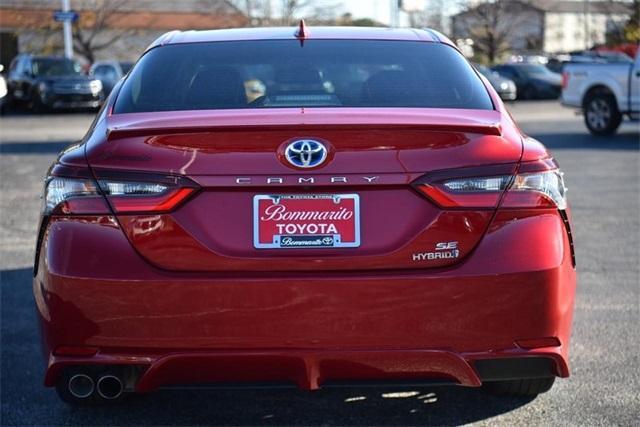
{"x":603,"y":178}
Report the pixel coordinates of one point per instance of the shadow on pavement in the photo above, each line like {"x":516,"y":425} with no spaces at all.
{"x":23,"y":112}
{"x":26,"y":402}
{"x":49,"y":147}
{"x":621,"y":141}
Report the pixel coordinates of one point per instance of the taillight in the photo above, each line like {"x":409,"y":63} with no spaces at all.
{"x":124,"y":193}
{"x":64,"y":196}
{"x":536,"y":185}
{"x":537,"y":190}
{"x":565,"y":80}
{"x":128,"y":197}
{"x":467,"y":188}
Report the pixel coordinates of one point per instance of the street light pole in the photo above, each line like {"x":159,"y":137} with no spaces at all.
{"x":395,"y":13}
{"x":587,"y":30}
{"x":66,"y":28}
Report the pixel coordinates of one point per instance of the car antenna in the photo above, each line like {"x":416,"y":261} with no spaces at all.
{"x":301,"y":32}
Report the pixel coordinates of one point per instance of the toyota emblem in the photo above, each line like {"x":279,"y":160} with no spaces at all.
{"x":306,"y":153}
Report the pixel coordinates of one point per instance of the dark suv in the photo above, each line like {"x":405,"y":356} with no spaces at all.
{"x":50,"y":82}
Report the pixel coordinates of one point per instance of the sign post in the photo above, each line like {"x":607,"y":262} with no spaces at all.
{"x":66,"y":16}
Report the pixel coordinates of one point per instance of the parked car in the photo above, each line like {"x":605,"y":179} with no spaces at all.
{"x":373,"y":215}
{"x":604,"y":92}
{"x":601,"y":56}
{"x":109,"y":72}
{"x":529,"y":59}
{"x":506,"y":88}
{"x":557,"y":62}
{"x":49,"y":82}
{"x":533,"y":81}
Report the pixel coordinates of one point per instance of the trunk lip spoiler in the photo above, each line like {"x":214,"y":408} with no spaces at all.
{"x":487,"y":122}
{"x":118,"y":133}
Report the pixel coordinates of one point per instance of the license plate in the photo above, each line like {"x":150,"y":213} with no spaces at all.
{"x":306,"y":221}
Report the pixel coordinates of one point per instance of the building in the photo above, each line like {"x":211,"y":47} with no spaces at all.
{"x":131,"y":25}
{"x":550,"y":26}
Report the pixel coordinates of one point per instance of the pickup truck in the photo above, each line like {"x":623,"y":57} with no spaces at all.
{"x":605,"y":92}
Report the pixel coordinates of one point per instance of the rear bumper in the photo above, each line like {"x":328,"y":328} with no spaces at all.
{"x":93,"y":291}
{"x":311,"y":370}
{"x":69,"y":101}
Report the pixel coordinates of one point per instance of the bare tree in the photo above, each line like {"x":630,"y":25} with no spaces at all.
{"x":94,"y":34}
{"x":258,"y":12}
{"x":632,"y":27}
{"x":265,"y":12}
{"x":492,"y":25}
{"x":619,"y":15}
{"x":430,"y":16}
{"x":289,"y":8}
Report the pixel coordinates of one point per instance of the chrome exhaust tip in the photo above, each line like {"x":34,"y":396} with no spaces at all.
{"x":80,"y":386}
{"x":110,"y":387}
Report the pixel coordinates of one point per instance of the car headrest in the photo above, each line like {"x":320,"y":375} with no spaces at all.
{"x":216,"y":87}
{"x":298,"y":75}
{"x":386,"y":86}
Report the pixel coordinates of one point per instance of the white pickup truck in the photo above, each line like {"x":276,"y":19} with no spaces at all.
{"x":604,"y":91}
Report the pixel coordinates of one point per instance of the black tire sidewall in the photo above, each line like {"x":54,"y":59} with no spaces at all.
{"x":614,"y":120}
{"x":38,"y":106}
{"x":528,"y":92}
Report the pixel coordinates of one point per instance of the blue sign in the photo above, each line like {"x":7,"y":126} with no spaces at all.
{"x":61,"y":16}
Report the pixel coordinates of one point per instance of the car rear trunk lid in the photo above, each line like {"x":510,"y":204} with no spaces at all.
{"x":375,"y":155}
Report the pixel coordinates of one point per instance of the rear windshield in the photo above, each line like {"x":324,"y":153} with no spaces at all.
{"x":318,"y":73}
{"x":52,"y":67}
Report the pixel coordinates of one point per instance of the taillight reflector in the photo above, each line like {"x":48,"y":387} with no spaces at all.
{"x":462,"y":200}
{"x":162,"y":203}
{"x":528,"y":344}
{"x":565,"y":80}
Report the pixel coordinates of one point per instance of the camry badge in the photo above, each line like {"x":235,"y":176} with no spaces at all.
{"x":306,"y":153}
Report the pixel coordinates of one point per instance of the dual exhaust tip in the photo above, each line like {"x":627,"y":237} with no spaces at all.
{"x":108,"y":386}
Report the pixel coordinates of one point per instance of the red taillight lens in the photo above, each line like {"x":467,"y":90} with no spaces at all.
{"x":125,"y":194}
{"x":476,"y":192}
{"x":537,"y":185}
{"x":131,"y":193}
{"x":166,"y":201}
{"x":480,"y":188}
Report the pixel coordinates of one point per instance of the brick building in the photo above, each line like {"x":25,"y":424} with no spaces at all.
{"x":28,"y":25}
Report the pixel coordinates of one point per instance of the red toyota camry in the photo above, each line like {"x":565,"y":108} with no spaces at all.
{"x":312,"y":207}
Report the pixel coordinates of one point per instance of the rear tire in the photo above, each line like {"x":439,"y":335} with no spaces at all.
{"x":37,"y":106}
{"x":523,"y":387}
{"x":601,"y":115}
{"x":529,"y":92}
